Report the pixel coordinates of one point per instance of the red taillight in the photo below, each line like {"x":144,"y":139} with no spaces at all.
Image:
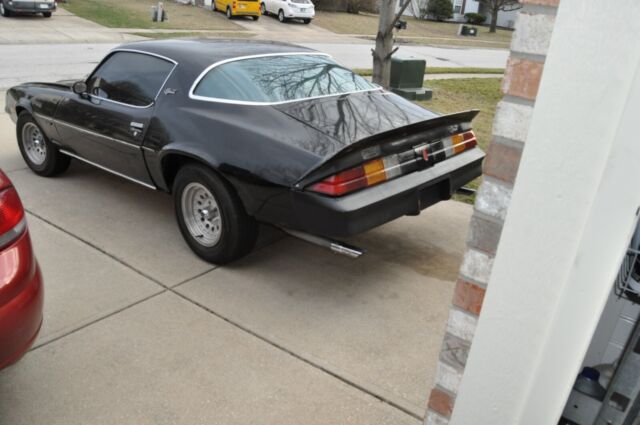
{"x":470,"y":140}
{"x":4,"y":180}
{"x":12,"y":222}
{"x":11,"y":211}
{"x":343,"y":182}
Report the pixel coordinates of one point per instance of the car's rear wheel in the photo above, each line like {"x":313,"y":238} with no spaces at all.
{"x":281,"y":16}
{"x":3,"y":10}
{"x":306,"y":21}
{"x":263,"y":9}
{"x":229,"y":14}
{"x":215,"y":9}
{"x":46,"y":14}
{"x":255,"y":18}
{"x":211,"y":216}
{"x":42,"y":156}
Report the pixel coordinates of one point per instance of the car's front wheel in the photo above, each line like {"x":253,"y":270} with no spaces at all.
{"x":42,"y":156}
{"x":46,"y":14}
{"x":281,"y":16}
{"x":3,"y":10}
{"x":211,"y":216}
{"x":263,"y":9}
{"x":229,"y":14}
{"x":306,"y":21}
{"x":255,"y":18}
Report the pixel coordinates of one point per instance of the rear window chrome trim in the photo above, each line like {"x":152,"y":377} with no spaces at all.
{"x":194,"y":96}
{"x":111,"y":53}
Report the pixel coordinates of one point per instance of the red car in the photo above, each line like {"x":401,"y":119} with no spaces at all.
{"x":21,"y":290}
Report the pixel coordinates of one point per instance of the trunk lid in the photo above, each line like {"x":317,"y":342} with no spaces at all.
{"x":369,"y":125}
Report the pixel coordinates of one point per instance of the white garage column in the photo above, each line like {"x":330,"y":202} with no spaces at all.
{"x":572,"y":214}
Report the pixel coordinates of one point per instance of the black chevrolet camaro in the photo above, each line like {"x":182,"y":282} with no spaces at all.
{"x":245,"y":132}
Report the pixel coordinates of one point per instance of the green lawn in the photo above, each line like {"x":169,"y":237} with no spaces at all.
{"x":470,"y":93}
{"x":431,"y":32}
{"x":137,"y":14}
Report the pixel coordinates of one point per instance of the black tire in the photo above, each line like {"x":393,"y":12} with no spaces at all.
{"x":239,"y":231}
{"x":46,"y":14}
{"x":263,"y":10}
{"x":306,"y":21}
{"x":255,"y":18}
{"x":54,"y":162}
{"x":5,"y":12}
{"x":281,"y":16}
{"x":215,"y":9}
{"x":229,"y":14}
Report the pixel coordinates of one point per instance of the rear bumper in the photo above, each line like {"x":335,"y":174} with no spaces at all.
{"x":29,"y":6}
{"x":21,"y":301}
{"x":300,"y":15}
{"x":352,"y":214}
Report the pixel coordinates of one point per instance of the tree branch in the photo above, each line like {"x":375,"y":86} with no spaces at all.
{"x":398,"y":15}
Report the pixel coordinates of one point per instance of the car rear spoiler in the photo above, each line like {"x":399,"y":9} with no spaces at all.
{"x":389,"y":142}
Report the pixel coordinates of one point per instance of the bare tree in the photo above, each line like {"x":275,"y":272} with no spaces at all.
{"x":495,"y":6}
{"x":384,"y":40}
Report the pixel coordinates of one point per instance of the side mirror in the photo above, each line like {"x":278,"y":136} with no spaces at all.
{"x":80,"y":88}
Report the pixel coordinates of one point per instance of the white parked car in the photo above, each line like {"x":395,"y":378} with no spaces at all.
{"x":289,"y":9}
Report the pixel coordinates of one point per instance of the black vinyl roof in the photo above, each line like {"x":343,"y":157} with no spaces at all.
{"x":200,"y":53}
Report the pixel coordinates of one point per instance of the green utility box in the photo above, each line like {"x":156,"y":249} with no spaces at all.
{"x":468,"y":31}
{"x":407,"y":78}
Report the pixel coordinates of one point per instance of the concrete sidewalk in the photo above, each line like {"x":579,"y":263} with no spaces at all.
{"x":62,"y":27}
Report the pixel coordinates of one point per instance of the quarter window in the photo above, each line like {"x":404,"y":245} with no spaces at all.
{"x":131,"y":78}
{"x":273,"y":79}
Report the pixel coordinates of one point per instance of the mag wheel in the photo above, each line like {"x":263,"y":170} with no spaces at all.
{"x":37,"y":151}
{"x":211,"y":217}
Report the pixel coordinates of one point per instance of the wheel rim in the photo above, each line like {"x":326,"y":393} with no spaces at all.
{"x":281,"y":16}
{"x":201,"y":214}
{"x":228,"y":12}
{"x":34,"y":143}
{"x":2,"y":9}
{"x":263,"y":9}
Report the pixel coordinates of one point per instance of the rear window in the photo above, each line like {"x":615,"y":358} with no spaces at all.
{"x":272,"y":79}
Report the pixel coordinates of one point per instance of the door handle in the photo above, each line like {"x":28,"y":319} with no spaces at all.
{"x":136,"y":128}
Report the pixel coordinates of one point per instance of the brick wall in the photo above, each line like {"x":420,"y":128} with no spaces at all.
{"x":522,"y":77}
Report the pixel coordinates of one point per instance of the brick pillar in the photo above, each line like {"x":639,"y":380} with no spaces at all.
{"x":522,"y":77}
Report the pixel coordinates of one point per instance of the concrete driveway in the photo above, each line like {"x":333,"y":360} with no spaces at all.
{"x":138,"y":330}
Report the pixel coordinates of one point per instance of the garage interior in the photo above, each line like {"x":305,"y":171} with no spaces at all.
{"x":607,"y":391}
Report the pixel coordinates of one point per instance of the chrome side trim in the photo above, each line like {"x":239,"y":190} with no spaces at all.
{"x":175,"y":65}
{"x":109,"y":170}
{"x":93,"y":133}
{"x":44,"y":117}
{"x":194,"y":96}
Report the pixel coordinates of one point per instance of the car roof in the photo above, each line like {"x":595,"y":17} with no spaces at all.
{"x":201,"y":53}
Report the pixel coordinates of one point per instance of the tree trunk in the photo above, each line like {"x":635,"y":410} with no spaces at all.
{"x":494,"y":20}
{"x":384,"y":44}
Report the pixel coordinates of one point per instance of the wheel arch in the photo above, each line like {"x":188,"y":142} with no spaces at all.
{"x":171,"y":162}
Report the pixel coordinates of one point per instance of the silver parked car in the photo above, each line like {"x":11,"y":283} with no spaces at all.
{"x":31,"y":7}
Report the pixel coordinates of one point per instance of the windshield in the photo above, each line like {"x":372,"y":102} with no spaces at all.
{"x":284,"y":78}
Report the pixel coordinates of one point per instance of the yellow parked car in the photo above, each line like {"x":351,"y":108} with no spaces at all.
{"x":238,"y":8}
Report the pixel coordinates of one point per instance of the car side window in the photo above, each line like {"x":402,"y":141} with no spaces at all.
{"x":129,"y":77}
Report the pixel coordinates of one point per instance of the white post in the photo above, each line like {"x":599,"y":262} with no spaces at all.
{"x":571,"y":217}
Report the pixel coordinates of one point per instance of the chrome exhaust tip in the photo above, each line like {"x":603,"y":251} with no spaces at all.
{"x":335,"y":246}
